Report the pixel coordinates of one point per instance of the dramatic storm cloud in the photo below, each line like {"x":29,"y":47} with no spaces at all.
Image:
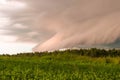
{"x":57,"y":24}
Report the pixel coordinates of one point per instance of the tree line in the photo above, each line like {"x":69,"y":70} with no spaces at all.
{"x":92,"y":52}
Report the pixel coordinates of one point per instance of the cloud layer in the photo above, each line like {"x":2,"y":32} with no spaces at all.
{"x":58,"y":24}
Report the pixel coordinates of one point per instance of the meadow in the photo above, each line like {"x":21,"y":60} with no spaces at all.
{"x":83,"y":64}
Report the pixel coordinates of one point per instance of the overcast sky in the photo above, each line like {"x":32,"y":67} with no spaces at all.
{"x":9,"y":31}
{"x":57,"y":24}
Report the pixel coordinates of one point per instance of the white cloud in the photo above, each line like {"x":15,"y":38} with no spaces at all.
{"x":13,"y":48}
{"x":19,"y":26}
{"x":6,"y":7}
{"x":4,"y":21}
{"x":3,"y":1}
{"x":11,"y":5}
{"x":8,"y":42}
{"x":5,"y":38}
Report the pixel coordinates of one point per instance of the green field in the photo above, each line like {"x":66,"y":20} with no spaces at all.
{"x":91,"y":64}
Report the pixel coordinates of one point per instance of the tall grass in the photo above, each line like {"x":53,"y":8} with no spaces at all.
{"x":60,"y":65}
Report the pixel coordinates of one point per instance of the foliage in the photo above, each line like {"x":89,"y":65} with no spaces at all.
{"x":93,"y":52}
{"x":83,"y":64}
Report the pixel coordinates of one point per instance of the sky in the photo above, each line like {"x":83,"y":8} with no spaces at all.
{"x":9,"y":43}
{"x":45,"y":25}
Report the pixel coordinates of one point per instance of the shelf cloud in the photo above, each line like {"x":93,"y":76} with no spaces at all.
{"x":57,"y":24}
